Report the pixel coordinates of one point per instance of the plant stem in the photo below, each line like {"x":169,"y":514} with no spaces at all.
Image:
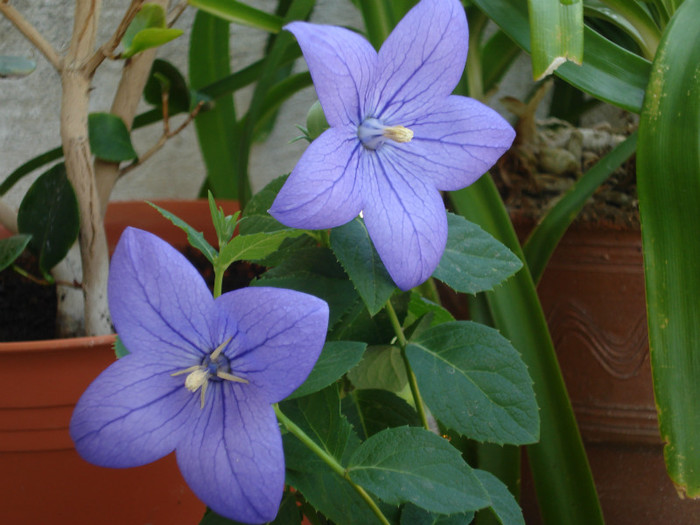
{"x":330,"y":461}
{"x":412,"y":382}
{"x":218,"y":279}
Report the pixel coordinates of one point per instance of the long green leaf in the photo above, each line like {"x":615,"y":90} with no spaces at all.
{"x":559,"y":465}
{"x":668,"y":173}
{"x":556,"y":34}
{"x":544,"y":238}
{"x":608,"y":72}
{"x":240,"y":13}
{"x":209,"y":61}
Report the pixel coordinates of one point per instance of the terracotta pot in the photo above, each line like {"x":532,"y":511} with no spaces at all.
{"x":43,"y":479}
{"x":592,"y":293}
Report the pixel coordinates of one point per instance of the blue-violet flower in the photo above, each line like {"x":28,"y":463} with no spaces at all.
{"x":200,"y":378}
{"x":397,"y":136}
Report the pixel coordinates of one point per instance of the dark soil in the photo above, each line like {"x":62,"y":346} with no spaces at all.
{"x":28,"y":309}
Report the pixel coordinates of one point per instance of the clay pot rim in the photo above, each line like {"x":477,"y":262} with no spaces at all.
{"x":56,"y":345}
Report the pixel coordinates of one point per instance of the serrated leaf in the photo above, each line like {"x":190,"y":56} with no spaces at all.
{"x":262,"y":200}
{"x":356,"y":253}
{"x":194,"y":237}
{"x":49,"y":213}
{"x":503,"y":503}
{"x":419,"y":306}
{"x":260,"y":224}
{"x":119,"y":349}
{"x":11,"y":248}
{"x":109,"y":138}
{"x":224,"y":225}
{"x":473,"y":260}
{"x":475,"y":382}
{"x":371,"y":411}
{"x":382,"y":367}
{"x":255,"y":246}
{"x":288,"y":514}
{"x":413,"y":515}
{"x":409,"y":464}
{"x":336,"y":358}
{"x":179,"y":97}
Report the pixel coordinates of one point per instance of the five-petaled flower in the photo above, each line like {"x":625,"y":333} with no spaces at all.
{"x":200,"y":379}
{"x":397,"y":137}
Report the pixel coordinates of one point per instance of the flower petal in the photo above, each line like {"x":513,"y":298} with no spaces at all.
{"x":325,"y":187}
{"x":132,"y":414}
{"x":455,"y":143}
{"x":157,"y":299}
{"x":421,"y":61}
{"x":406,"y":220}
{"x":279,"y":335}
{"x":233,"y":459}
{"x":342,"y":65}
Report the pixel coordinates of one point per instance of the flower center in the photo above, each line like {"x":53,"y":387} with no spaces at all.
{"x":214,"y":367}
{"x":373,"y":133}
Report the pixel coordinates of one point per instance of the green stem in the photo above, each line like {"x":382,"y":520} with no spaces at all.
{"x":330,"y":461}
{"x":218,"y":279}
{"x":412,"y":382}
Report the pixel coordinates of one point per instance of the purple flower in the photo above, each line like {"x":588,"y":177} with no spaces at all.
{"x":200,"y":379}
{"x":397,"y":136}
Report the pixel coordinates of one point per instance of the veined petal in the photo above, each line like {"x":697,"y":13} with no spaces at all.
{"x":157,"y":298}
{"x":232,"y":458}
{"x":279,"y":336}
{"x":134,"y":413}
{"x":342,"y":65}
{"x":454,"y":144}
{"x":406,"y":220}
{"x":325,"y":187}
{"x":421,"y":61}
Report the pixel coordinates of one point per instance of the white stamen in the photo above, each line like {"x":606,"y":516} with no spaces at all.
{"x":196,"y":379}
{"x":230,"y":377}
{"x":398,"y":133}
{"x":215,"y":354}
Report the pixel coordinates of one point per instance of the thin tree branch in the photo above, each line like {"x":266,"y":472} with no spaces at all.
{"x":175,"y":12}
{"x":167,"y":134}
{"x":31,"y":34}
{"x":107,"y":49}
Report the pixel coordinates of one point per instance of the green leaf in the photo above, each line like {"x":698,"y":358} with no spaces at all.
{"x":288,"y":514}
{"x":16,"y":67}
{"x":261,"y":224}
{"x":195,"y":238}
{"x":419,"y":306}
{"x":475,"y":382}
{"x":11,"y":248}
{"x":109,"y":138}
{"x":176,"y":87}
{"x":413,"y":464}
{"x":240,"y":13}
{"x":254,"y":246}
{"x":147,"y":30}
{"x":120,"y":350}
{"x":336,"y":358}
{"x":556,"y":34}
{"x":150,"y":38}
{"x":316,"y":122}
{"x":608,"y":72}
{"x":224,"y":225}
{"x":217,"y":130}
{"x":413,"y":515}
{"x":503,"y":504}
{"x":49,"y":213}
{"x":28,"y":167}
{"x":371,"y":411}
{"x":668,"y":181}
{"x":382,"y":367}
{"x":356,"y":253}
{"x":473,"y":260}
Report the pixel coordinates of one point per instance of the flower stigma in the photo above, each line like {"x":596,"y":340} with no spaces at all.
{"x":372,"y":133}
{"x":214,"y":367}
